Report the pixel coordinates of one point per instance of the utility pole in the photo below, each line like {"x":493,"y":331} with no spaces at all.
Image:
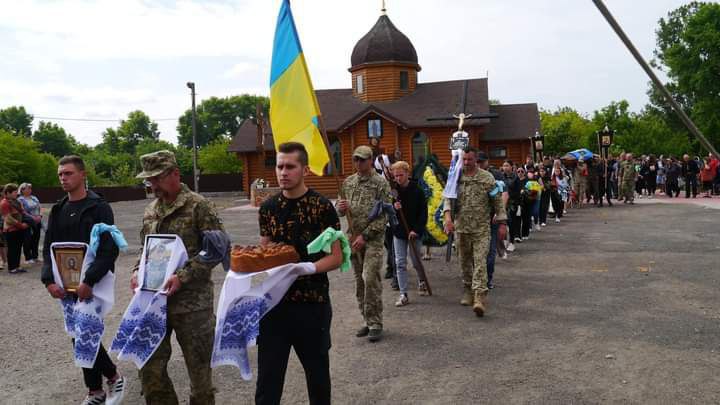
{"x":689,"y":124}
{"x":196,"y":177}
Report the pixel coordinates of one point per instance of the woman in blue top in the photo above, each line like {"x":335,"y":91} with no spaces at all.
{"x":31,"y":204}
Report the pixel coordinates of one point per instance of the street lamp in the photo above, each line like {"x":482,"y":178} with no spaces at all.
{"x":605,"y":140}
{"x":537,"y":144}
{"x":196,"y":178}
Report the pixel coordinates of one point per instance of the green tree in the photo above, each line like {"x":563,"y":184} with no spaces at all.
{"x":125,"y":138}
{"x":687,"y":51}
{"x":565,"y":129}
{"x":16,"y":120}
{"x":218,"y":117}
{"x":21,"y":161}
{"x":215,"y":158}
{"x":53,"y":139}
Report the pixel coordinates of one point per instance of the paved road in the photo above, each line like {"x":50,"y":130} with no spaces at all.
{"x":611,"y":305}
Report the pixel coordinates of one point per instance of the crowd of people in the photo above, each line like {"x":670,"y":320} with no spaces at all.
{"x":488,"y":210}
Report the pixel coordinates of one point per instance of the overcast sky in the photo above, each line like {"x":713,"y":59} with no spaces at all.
{"x":102,"y":59}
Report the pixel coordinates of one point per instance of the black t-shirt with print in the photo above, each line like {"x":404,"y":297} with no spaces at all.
{"x":298,"y":222}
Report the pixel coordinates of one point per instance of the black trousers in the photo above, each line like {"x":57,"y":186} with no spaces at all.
{"x":544,"y":205}
{"x":388,"y":242}
{"x":103,"y":367}
{"x":32,"y":241}
{"x":671,"y":188}
{"x":557,"y":203}
{"x":306,"y":328}
{"x":526,"y":218}
{"x":691,"y":185}
{"x":14,"y":241}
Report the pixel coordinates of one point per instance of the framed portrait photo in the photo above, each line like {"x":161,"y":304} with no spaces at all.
{"x":158,"y":252}
{"x":69,"y":262}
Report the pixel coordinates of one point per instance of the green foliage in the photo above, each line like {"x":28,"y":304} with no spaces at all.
{"x":687,"y":50}
{"x":217,"y":118}
{"x":215,"y":158}
{"x":21,"y":161}
{"x":565,"y":129}
{"x":53,"y":139}
{"x":16,"y":121}
{"x":126,"y":137}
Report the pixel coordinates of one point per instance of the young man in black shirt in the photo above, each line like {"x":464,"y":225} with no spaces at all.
{"x":71,"y":220}
{"x":296,"y":216}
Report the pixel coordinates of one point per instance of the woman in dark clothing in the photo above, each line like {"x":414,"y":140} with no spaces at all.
{"x":545,"y":178}
{"x":514,"y":198}
{"x":524,"y":218}
{"x":651,"y":178}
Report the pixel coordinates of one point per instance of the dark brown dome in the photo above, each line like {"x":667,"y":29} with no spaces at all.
{"x":384,"y":43}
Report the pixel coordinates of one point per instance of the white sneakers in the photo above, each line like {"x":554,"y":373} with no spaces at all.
{"x":510,"y":247}
{"x":402,"y":300}
{"x":95,"y":399}
{"x":557,"y":220}
{"x":116,"y":391}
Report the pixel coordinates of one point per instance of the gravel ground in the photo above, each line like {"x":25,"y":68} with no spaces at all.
{"x":611,"y":305}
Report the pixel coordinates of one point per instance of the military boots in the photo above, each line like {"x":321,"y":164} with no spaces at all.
{"x":467,"y":298}
{"x":480,"y":305}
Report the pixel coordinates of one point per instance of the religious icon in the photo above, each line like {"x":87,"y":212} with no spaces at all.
{"x":374,"y":128}
{"x":459,"y":140}
{"x":538,"y":145}
{"x":158,"y":252}
{"x":69,"y":261}
{"x":606,"y":140}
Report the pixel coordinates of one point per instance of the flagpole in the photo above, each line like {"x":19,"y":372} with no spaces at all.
{"x":689,"y":124}
{"x":333,"y":167}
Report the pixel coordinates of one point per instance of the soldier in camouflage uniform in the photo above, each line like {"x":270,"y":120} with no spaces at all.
{"x":477,"y":198}
{"x":629,"y":175}
{"x":363,"y":190}
{"x":580,"y":182}
{"x":179,"y":211}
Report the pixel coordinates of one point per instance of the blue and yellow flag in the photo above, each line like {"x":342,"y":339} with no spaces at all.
{"x":294,"y":111}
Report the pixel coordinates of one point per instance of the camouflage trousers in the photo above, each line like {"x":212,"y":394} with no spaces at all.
{"x":581,"y":190}
{"x":627,"y":190}
{"x":367,"y":264}
{"x":473,"y":250}
{"x":194,"y":332}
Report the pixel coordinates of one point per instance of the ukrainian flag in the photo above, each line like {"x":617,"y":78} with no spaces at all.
{"x":294,"y":111}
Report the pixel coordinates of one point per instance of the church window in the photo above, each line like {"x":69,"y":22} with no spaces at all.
{"x":420,"y":148}
{"x":374,"y":128}
{"x":336,"y":156}
{"x":404,"y":80}
{"x":498,"y":152}
{"x":360,"y":84}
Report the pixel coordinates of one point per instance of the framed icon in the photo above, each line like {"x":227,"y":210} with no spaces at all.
{"x":69,"y":261}
{"x":374,"y":128}
{"x":459,"y":140}
{"x":606,"y":140}
{"x":158,"y":251}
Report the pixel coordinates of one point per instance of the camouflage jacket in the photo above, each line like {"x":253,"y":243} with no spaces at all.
{"x":187,"y":217}
{"x":475,"y":206}
{"x":628,"y":171}
{"x":362,"y":192}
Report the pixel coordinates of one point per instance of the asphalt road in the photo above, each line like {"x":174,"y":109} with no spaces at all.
{"x":612,"y":305}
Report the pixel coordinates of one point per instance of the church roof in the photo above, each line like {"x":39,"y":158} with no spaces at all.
{"x":438,"y":99}
{"x":383,"y":43}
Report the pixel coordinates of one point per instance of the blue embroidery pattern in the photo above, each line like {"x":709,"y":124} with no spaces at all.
{"x":88,"y":333}
{"x":141,"y":331}
{"x":240,"y":327}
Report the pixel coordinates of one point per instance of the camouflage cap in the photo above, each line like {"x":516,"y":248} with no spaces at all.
{"x":363,"y":152}
{"x":156,"y":163}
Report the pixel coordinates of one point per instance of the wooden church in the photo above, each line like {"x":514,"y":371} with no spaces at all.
{"x":390,"y":110}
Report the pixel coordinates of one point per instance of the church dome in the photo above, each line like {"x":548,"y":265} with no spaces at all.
{"x":383,"y":43}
